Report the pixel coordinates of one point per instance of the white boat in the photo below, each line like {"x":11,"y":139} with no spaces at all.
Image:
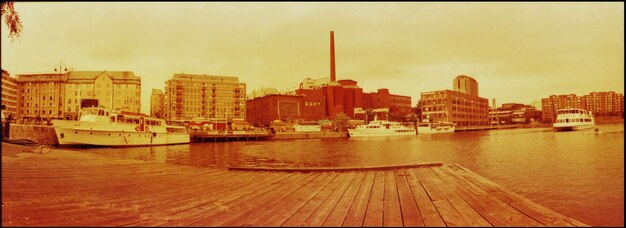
{"x":103,"y":127}
{"x":381,"y":128}
{"x":435,"y":127}
{"x":573,"y":119}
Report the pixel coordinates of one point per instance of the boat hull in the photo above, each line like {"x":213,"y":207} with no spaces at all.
{"x":91,"y":137}
{"x":356,"y":133}
{"x":563,"y":127}
{"x":428,"y":130}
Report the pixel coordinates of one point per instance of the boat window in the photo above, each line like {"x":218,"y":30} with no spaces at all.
{"x":101,"y":112}
{"x":106,"y":114}
{"x":112,"y":119}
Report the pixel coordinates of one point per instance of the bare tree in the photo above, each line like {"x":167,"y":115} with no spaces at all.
{"x":12,"y":20}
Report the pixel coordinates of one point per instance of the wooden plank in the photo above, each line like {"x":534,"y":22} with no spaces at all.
{"x":429,"y":185}
{"x":392,"y":216}
{"x":428,"y":212}
{"x":449,"y":215}
{"x":374,"y":213}
{"x":410,"y":213}
{"x":280,"y":212}
{"x":537,"y":212}
{"x":240,"y":218}
{"x":254,"y":206}
{"x":338,"y":214}
{"x":356,"y":214}
{"x":468,"y":214}
{"x":234,"y":208}
{"x":323,"y":211}
{"x":307,"y":210}
{"x":228,"y":203}
{"x":338,"y":169}
{"x":493,"y":210}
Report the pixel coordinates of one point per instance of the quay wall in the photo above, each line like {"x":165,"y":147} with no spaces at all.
{"x":315,"y":135}
{"x":42,"y":134}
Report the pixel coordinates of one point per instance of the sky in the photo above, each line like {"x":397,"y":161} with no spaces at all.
{"x":518,"y":52}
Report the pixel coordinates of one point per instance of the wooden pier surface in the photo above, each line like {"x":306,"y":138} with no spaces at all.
{"x":68,"y":188}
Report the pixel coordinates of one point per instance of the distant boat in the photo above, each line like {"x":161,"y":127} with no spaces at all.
{"x":381,"y":128}
{"x":102,"y":127}
{"x":573,"y":119}
{"x":435,"y":127}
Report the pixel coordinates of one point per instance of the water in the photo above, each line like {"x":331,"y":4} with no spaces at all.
{"x":579,"y":174}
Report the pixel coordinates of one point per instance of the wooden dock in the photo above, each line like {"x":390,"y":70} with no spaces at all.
{"x":68,"y":188}
{"x":202,"y":136}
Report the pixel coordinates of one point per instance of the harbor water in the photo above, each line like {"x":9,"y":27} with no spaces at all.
{"x":579,"y":174}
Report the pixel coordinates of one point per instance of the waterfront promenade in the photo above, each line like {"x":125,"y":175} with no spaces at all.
{"x":56,"y":187}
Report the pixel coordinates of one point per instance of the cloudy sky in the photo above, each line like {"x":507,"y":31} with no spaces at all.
{"x":518,"y":52}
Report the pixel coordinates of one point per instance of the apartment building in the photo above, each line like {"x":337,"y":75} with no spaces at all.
{"x":59,"y":95}
{"x":217,"y":98}
{"x":9,"y":94}
{"x":461,"y":108}
{"x":601,"y":104}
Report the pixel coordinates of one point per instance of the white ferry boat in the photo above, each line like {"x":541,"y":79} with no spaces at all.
{"x":103,"y":127}
{"x":435,"y":127}
{"x":381,"y":128}
{"x":573,"y":119}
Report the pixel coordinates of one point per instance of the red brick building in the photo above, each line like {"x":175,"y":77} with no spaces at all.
{"x":399,"y":106}
{"x":261,"y":111}
{"x":601,"y":104}
{"x":461,"y":108}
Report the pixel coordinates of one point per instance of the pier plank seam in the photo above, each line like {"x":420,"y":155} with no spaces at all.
{"x":257,"y":208}
{"x":304,"y":212}
{"x":340,"y":210}
{"x":428,"y":211}
{"x":490,"y":209}
{"x":374,"y":212}
{"x":235,"y":208}
{"x":392,"y":213}
{"x":410,"y":212}
{"x":533,"y":210}
{"x":298,"y":199}
{"x":356,"y":213}
{"x":323,"y":211}
{"x":252,"y":190}
{"x":467,"y":212}
{"x":259,"y":216}
{"x":194,"y":201}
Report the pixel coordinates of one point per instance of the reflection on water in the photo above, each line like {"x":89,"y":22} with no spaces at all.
{"x":579,"y":173}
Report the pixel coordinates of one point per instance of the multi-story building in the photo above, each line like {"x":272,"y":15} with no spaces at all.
{"x":156,"y":103}
{"x":514,"y":113}
{"x":460,"y":108}
{"x":599,"y":103}
{"x":118,"y":90}
{"x":398,"y":105}
{"x":59,"y":95}
{"x":9,"y":94}
{"x":465,"y":84}
{"x":217,"y":98}
{"x":41,"y":95}
{"x":262,"y":111}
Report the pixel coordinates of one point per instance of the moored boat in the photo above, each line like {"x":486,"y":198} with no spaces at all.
{"x":435,"y":127}
{"x":103,"y":127}
{"x":573,"y":119}
{"x":381,"y":128}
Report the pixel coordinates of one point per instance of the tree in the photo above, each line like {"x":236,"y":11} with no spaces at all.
{"x":341,"y":121}
{"x":12,"y":20}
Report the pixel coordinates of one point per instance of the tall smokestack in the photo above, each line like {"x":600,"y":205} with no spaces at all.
{"x":332,"y":56}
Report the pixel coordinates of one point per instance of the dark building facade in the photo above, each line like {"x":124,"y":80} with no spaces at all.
{"x":601,"y":104}
{"x":460,"y":108}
